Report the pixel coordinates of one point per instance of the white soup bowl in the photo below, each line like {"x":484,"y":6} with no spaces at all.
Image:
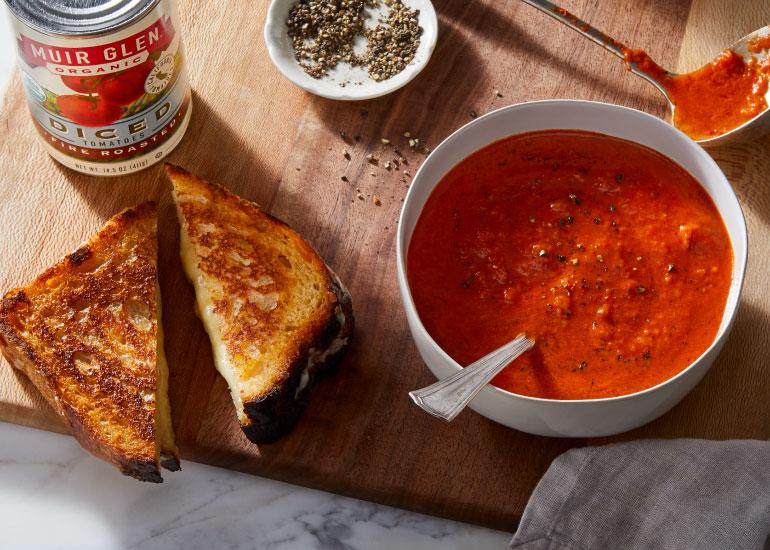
{"x":582,"y":417}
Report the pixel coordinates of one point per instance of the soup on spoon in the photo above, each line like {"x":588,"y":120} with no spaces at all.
{"x":716,"y":98}
{"x":719,"y":101}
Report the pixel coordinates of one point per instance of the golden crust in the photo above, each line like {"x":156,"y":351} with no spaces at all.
{"x":85,"y":332}
{"x":272,"y":297}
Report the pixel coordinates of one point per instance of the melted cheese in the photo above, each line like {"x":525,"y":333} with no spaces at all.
{"x":210,"y":321}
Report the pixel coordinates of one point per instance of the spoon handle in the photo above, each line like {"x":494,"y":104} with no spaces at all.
{"x":580,"y":26}
{"x":595,"y":35}
{"x":446,"y":398}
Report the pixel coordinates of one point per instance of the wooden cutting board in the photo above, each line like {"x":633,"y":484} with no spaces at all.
{"x":263,"y":138}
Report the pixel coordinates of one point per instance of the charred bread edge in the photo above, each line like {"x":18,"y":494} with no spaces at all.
{"x":170,"y":462}
{"x":274,"y":414}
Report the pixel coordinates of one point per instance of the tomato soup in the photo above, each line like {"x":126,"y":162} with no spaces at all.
{"x":609,"y":254}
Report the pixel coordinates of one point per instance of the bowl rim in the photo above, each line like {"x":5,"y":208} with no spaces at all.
{"x":739,"y":264}
{"x":428,"y":21}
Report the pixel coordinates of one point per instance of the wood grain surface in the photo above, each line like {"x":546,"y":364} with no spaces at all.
{"x":257,"y":134}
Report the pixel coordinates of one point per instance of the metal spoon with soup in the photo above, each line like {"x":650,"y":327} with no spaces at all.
{"x":725,"y":100}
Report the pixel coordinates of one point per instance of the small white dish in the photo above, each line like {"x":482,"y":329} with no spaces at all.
{"x":581,"y":417}
{"x":358,"y":85}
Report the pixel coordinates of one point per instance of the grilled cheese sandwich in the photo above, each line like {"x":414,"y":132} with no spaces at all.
{"x":275,"y":313}
{"x":87,"y":333}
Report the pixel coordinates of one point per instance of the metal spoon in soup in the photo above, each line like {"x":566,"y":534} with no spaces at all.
{"x":446,"y":398}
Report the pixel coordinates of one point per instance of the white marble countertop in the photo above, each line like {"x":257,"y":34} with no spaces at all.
{"x":53,"y":494}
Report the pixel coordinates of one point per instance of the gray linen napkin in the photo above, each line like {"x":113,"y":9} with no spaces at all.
{"x":659,"y":494}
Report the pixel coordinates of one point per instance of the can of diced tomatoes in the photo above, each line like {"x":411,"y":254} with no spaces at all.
{"x":105,"y":80}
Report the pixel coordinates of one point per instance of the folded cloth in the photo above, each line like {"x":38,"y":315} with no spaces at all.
{"x":660,"y":494}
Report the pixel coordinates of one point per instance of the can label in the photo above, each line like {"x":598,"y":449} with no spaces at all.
{"x":111,"y":104}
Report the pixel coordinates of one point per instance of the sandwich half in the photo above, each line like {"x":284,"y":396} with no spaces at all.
{"x":87,"y":333}
{"x":276,"y":315}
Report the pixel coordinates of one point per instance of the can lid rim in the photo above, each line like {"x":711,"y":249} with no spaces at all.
{"x":80,"y":18}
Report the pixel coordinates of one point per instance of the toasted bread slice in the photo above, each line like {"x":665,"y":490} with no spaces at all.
{"x":87,"y":333}
{"x":275,"y":313}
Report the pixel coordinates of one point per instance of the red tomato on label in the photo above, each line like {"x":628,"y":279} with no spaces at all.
{"x":88,"y":110}
{"x":126,"y":86}
{"x":82,"y":84}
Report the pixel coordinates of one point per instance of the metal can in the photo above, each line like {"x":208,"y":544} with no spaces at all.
{"x":105,"y":80}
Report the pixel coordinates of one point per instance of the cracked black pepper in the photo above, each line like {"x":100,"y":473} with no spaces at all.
{"x":323,"y":34}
